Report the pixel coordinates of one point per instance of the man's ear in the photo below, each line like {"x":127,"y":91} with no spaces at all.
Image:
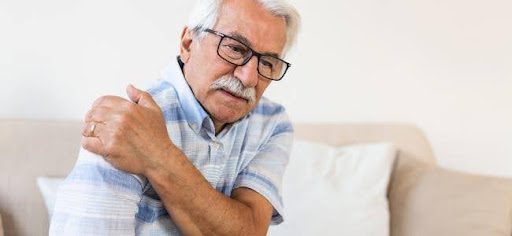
{"x":186,"y":44}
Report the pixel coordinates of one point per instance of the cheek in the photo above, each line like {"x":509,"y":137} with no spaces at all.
{"x":204,"y":77}
{"x":261,"y":87}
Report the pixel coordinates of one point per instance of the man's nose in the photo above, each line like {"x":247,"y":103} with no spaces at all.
{"x":248,"y":73}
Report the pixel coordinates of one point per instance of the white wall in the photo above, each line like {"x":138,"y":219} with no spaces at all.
{"x":443,"y":65}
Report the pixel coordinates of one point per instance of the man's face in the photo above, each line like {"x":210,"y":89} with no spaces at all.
{"x":264,"y":32}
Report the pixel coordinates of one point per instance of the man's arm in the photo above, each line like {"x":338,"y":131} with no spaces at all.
{"x":198,"y":209}
{"x":96,"y":199}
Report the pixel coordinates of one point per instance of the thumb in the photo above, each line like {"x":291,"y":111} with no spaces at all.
{"x":140,"y":97}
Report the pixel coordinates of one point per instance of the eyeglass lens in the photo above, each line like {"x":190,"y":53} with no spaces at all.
{"x":237,"y":53}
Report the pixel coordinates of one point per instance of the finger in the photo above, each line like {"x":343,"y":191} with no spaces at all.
{"x":133,"y":93}
{"x":141,"y":97}
{"x":110,"y":101}
{"x":87,"y":129}
{"x":92,"y":129}
{"x":94,"y":145}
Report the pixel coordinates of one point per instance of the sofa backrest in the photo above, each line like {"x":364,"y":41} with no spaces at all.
{"x":33,"y":148}
{"x":410,"y":140}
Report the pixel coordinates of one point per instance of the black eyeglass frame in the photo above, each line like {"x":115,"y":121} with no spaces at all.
{"x":253,"y":53}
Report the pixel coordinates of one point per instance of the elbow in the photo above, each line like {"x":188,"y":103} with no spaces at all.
{"x":253,"y":227}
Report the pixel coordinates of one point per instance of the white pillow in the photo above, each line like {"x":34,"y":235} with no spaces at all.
{"x":336,"y":190}
{"x":49,"y":187}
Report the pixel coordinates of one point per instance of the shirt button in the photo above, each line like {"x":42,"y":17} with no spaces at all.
{"x":216,"y":146}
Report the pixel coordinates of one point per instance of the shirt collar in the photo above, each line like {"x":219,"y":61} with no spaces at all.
{"x":194,"y":112}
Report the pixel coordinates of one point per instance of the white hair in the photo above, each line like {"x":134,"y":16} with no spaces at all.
{"x":205,"y":15}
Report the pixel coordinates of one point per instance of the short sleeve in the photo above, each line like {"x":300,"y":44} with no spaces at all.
{"x":264,"y":173}
{"x":96,"y":199}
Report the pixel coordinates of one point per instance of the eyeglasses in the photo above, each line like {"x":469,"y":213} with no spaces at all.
{"x":238,"y":54}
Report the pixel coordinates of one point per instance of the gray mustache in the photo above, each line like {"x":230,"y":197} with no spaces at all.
{"x":235,"y":86}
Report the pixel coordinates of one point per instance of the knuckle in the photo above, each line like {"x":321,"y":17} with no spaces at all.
{"x":84,"y":128}
{"x":86,"y":143}
{"x":88,"y":115}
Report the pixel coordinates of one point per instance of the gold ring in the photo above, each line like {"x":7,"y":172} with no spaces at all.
{"x":93,"y":127}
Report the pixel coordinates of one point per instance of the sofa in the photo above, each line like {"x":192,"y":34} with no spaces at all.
{"x":424,"y":199}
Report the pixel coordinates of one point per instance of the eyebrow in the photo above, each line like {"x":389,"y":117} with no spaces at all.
{"x":245,"y":41}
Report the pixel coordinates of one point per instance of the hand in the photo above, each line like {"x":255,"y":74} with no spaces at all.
{"x":132,"y":136}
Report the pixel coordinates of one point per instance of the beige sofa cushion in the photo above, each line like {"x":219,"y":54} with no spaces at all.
{"x":429,"y":200}
{"x":29,"y":149}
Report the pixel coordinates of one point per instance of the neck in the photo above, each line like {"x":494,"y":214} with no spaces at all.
{"x":218,"y":127}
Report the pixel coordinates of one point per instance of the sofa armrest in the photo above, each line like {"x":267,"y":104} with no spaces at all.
{"x":431,"y":200}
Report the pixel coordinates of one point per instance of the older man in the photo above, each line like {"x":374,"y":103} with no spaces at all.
{"x":201,"y":152}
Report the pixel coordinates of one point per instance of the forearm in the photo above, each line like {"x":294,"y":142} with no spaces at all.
{"x":194,"y":206}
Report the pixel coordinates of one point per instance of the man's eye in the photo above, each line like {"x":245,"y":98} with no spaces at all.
{"x":237,"y":49}
{"x":267,"y":64}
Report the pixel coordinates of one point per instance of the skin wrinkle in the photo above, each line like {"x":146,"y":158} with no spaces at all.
{"x":245,"y":41}
{"x":240,"y":38}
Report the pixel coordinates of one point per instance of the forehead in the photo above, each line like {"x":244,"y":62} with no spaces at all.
{"x":264,"y":31}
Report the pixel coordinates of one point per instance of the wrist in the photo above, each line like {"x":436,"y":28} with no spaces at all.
{"x":161,"y":162}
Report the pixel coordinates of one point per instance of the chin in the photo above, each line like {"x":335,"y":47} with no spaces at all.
{"x":227,"y":115}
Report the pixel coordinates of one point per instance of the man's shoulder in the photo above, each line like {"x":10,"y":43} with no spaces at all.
{"x":162,"y":90}
{"x":165,"y":95}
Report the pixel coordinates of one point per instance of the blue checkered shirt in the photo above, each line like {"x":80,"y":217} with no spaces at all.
{"x":97,"y":199}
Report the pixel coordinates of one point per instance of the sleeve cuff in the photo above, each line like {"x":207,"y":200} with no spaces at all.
{"x":267,"y":189}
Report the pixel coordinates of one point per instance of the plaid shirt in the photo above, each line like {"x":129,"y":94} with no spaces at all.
{"x":97,"y":199}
